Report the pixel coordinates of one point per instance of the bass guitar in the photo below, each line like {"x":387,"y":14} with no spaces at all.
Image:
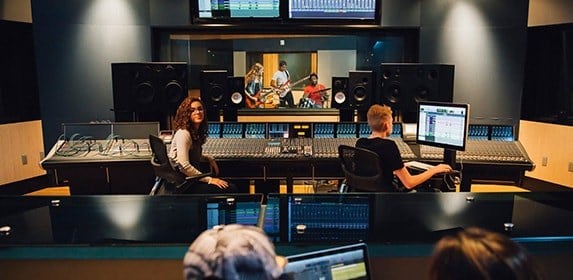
{"x":259,"y":98}
{"x":287,"y":86}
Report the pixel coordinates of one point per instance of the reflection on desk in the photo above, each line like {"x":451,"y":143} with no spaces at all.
{"x":289,"y":218}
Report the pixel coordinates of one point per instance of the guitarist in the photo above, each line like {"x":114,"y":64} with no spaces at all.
{"x":281,"y":82}
{"x":315,"y":91}
{"x":253,"y":86}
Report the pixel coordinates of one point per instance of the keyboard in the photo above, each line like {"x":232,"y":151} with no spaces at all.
{"x":418,"y":165}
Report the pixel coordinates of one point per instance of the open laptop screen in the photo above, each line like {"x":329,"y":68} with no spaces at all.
{"x":345,"y":262}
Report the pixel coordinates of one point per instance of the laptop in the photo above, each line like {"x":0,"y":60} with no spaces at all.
{"x":338,"y":263}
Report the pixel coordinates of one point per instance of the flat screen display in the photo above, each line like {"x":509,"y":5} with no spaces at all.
{"x":229,"y":9}
{"x":345,"y":262}
{"x":333,"y":9}
{"x":443,"y":125}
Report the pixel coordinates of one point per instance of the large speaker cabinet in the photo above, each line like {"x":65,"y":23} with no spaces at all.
{"x":402,"y":86}
{"x":148,"y":89}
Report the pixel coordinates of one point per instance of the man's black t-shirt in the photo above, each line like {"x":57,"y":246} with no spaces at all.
{"x":390,"y":158}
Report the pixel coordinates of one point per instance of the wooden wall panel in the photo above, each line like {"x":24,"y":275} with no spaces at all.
{"x":16,"y":140}
{"x":551,"y":141}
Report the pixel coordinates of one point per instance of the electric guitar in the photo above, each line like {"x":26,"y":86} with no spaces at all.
{"x":287,"y":86}
{"x":260,"y":97}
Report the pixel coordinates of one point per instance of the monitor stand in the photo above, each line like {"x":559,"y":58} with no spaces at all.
{"x":450,"y":157}
{"x":449,"y":181}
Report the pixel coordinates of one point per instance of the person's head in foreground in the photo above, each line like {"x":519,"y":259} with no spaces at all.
{"x":232,"y":252}
{"x":480,"y":254}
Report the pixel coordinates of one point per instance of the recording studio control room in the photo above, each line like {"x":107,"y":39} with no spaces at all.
{"x":361,"y":139}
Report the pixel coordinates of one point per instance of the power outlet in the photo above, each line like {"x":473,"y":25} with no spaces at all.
{"x":571,"y":166}
{"x":24,"y":159}
{"x":544,"y":161}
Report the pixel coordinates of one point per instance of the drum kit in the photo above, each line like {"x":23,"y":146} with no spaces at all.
{"x":306,"y":102}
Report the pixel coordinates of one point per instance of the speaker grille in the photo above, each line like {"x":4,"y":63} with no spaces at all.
{"x":404,"y":85}
{"x":360,"y":84}
{"x":148,"y":86}
{"x":214,"y":88}
{"x":236,"y":89}
{"x":339,"y":93}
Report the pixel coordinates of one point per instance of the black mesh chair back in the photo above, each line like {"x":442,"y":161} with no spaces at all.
{"x":170,"y":179}
{"x":361,"y":168}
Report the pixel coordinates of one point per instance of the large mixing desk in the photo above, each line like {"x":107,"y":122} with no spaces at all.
{"x":286,"y":151}
{"x":310,"y":151}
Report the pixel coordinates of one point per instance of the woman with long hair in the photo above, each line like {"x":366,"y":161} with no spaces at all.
{"x":186,"y":150}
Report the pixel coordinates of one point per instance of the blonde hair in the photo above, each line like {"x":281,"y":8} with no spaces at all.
{"x":255,"y":71}
{"x":377,"y":115}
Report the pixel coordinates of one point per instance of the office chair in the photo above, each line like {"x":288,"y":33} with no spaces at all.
{"x":168,"y":180}
{"x":362,"y":170}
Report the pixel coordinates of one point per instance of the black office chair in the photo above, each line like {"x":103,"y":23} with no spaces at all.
{"x":362,"y":170}
{"x":168,"y":180}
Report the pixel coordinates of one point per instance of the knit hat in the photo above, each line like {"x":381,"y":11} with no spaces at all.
{"x":232,"y":252}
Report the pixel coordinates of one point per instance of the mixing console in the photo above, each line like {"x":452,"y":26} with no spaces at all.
{"x":233,"y":148}
{"x":504,"y":151}
{"x":433,"y":153}
{"x":86,"y":148}
{"x":326,"y":148}
{"x":405,"y":151}
{"x":324,"y":130}
{"x":502,"y":133}
{"x":482,"y":150}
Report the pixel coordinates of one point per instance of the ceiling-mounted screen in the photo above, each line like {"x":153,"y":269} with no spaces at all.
{"x":235,"y":9}
{"x":365,"y":10}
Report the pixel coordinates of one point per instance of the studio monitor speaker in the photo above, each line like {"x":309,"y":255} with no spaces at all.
{"x":340,"y":99}
{"x":214,"y":89}
{"x":360,"y":89}
{"x":404,"y":85}
{"x":173,"y":81}
{"x":236,"y":89}
{"x":148,"y":87}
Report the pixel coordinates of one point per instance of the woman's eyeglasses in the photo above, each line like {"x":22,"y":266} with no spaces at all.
{"x":198,"y":109}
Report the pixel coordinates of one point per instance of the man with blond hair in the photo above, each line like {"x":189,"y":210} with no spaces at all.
{"x":380,"y":122}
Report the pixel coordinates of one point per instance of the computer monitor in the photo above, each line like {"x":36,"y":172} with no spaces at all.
{"x":237,"y":9}
{"x":241,"y":209}
{"x":318,"y":218}
{"x":443,"y":125}
{"x":345,"y":262}
{"x":366,"y":11}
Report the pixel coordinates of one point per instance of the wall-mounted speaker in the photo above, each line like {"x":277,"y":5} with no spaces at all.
{"x":154,"y":87}
{"x":404,"y":85}
{"x":236,"y":92}
{"x":214,"y":89}
{"x":339,"y":97}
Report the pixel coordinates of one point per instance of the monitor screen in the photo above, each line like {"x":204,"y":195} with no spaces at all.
{"x":443,"y":125}
{"x":233,"y":209}
{"x":345,"y":262}
{"x":235,"y":9}
{"x":333,"y":10}
{"x":329,"y":217}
